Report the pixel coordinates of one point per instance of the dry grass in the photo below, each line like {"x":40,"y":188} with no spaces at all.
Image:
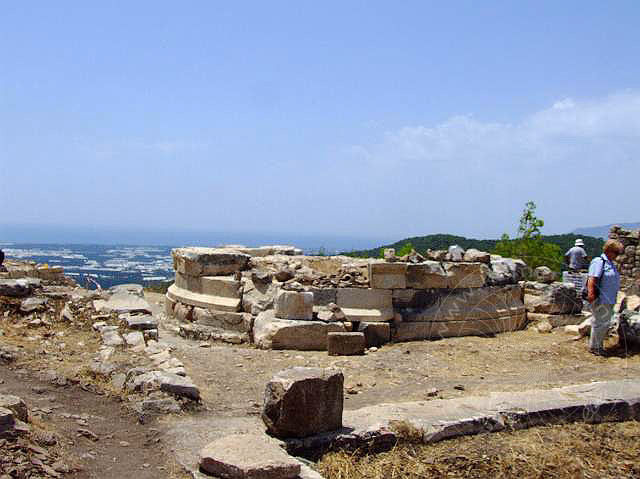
{"x":608,"y":450}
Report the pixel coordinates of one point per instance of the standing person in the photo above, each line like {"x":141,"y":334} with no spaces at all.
{"x":602,"y":288}
{"x":2,"y":268}
{"x":575,"y":256}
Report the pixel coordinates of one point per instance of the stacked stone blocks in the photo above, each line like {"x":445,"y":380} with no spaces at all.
{"x":285,"y":301}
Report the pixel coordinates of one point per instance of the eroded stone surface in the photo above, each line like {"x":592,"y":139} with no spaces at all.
{"x":294,"y":305}
{"x":197,"y":261}
{"x":247,"y":456}
{"x":270,"y":332}
{"x":300,"y":402}
{"x":346,"y":344}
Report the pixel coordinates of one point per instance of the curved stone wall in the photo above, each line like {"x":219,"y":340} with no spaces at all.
{"x":289,"y":301}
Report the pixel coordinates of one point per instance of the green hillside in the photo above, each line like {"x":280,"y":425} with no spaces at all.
{"x":593,"y":246}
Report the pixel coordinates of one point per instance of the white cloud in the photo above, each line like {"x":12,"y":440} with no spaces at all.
{"x":572,"y":150}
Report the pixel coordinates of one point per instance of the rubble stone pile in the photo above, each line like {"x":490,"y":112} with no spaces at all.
{"x":284,"y":300}
{"x":628,"y":263}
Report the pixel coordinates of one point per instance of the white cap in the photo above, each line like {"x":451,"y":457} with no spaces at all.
{"x":579,"y":242}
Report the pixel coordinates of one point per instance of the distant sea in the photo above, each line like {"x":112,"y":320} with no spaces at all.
{"x":108,"y":265}
{"x":142,"y":264}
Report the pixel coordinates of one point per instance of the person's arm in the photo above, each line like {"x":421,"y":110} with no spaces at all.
{"x":591,"y":289}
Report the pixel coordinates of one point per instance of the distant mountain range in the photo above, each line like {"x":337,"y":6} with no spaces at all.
{"x":592,"y":245}
{"x":603,"y":231}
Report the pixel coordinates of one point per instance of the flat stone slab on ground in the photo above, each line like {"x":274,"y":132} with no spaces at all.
{"x":140,"y":322}
{"x":135,"y":289}
{"x":248,"y":456}
{"x":346,"y":344}
{"x":167,"y":382}
{"x":122,"y":302}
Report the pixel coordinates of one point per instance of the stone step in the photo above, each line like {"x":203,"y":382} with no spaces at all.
{"x":219,"y":303}
{"x":225,"y":286}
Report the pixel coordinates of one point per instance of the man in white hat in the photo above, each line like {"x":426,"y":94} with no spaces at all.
{"x":575,"y":257}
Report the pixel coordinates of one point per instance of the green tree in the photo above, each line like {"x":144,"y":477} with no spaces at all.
{"x":529,"y":245}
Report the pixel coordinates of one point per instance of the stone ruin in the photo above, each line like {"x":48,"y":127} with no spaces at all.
{"x":628,"y":263}
{"x":277,"y":298}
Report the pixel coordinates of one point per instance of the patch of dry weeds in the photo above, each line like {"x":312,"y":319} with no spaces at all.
{"x":609,"y":450}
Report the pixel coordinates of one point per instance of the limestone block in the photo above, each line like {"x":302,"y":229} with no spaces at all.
{"x":294,"y":305}
{"x":270,"y":332}
{"x":556,"y":320}
{"x":476,"y":256}
{"x":301,"y":402}
{"x":429,"y":274}
{"x":258,"y":296}
{"x":122,"y":302}
{"x":135,"y":289}
{"x":225,"y":286}
{"x":554,"y":298}
{"x":139,"y":322}
{"x":135,"y":340}
{"x":388,"y":275}
{"x":16,"y":405}
{"x":471,"y":303}
{"x":455,"y":253}
{"x":465,"y":275}
{"x":411,"y":331}
{"x":248,"y":456}
{"x":544,"y":274}
{"x":346,"y":344}
{"x":164,"y":381}
{"x":220,"y":303}
{"x":359,"y":304}
{"x":375,"y":334}
{"x":241,"y":322}
{"x":323,"y":296}
{"x":196,"y":261}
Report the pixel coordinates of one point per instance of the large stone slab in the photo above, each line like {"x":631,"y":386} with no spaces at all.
{"x":360,"y":304}
{"x":122,"y":302}
{"x":554,"y":298}
{"x":258,"y":296}
{"x":139,"y":322}
{"x":324,"y":296}
{"x":294,"y":305}
{"x":135,"y":289}
{"x":240,"y":322}
{"x":384,"y":275}
{"x":247,"y":456}
{"x":197,"y":261}
{"x":412,"y":331}
{"x":465,"y":275}
{"x":503,"y":271}
{"x":225,"y":286}
{"x":429,"y":274}
{"x":300,"y":402}
{"x":270,"y":332}
{"x":220,"y":303}
{"x":471,"y":303}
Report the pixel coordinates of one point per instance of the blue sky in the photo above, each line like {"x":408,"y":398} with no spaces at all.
{"x":365,"y":119}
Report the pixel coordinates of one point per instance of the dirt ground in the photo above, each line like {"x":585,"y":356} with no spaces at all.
{"x":115,"y":446}
{"x":232,"y":379}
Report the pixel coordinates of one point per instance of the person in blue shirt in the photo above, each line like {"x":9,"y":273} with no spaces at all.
{"x":603,"y":284}
{"x":575,"y":257}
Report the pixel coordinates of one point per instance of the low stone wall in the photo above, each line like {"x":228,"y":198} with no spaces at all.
{"x":628,"y":263}
{"x":289,"y":301}
{"x":30,"y":269}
